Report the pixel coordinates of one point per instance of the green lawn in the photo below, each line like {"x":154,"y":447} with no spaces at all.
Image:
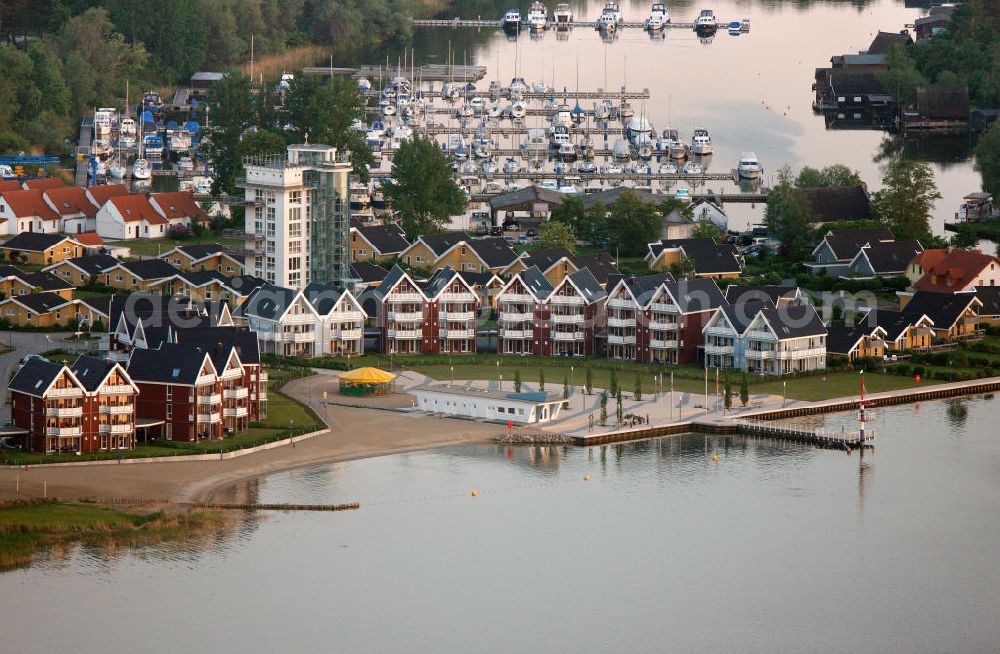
{"x":154,"y":247}
{"x":834,"y":384}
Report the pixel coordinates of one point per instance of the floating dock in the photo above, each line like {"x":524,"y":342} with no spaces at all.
{"x":425,"y":73}
{"x":480,"y":23}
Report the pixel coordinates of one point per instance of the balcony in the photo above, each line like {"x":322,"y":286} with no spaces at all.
{"x":405,"y":333}
{"x":409,"y":298}
{"x":297,"y":318}
{"x":566,"y":318}
{"x":235,"y":412}
{"x":512,"y":334}
{"x":206,"y":380}
{"x":761,"y":354}
{"x":569,"y":336}
{"x":719,"y":349}
{"x":209,"y":417}
{"x":457,"y":316}
{"x":214,"y":398}
{"x":263,"y":378}
{"x":406,"y":316}
{"x":663,"y":344}
{"x":517,"y":298}
{"x":348,"y":335}
{"x":664,"y":307}
{"x":117,"y":389}
{"x":117,"y":409}
{"x":125,"y":428}
{"x":618,"y":303}
{"x":567,"y":300}
{"x":235,"y":393}
{"x":458,"y":297}
{"x":621,"y":322}
{"x":298,"y":337}
{"x":615,"y":339}
{"x":724,"y":332}
{"x":457,"y":333}
{"x":62,"y":431}
{"x":804,"y":353}
{"x":64,"y":412}
{"x":72,"y":391}
{"x":509,"y":316}
{"x":262,"y":394}
{"x":659,"y":325}
{"x":760,"y":335}
{"x":347,"y":316}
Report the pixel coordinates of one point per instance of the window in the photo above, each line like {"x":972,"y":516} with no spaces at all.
{"x":294,"y":263}
{"x":295,"y":197}
{"x":170,"y":393}
{"x":270,"y":214}
{"x":295,"y":247}
{"x":170,"y":412}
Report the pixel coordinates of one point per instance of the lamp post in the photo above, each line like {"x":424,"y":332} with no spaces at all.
{"x":452,"y":368}
{"x":499,"y":376}
{"x":784,"y":391}
{"x":500,"y":383}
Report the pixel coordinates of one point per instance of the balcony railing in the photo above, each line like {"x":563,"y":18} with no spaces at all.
{"x":235,"y":393}
{"x":345,"y":316}
{"x":663,"y":344}
{"x":62,"y":431}
{"x":621,"y":322}
{"x":458,"y":297}
{"x":457,"y":333}
{"x":117,"y":389}
{"x":406,"y":316}
{"x":297,"y":318}
{"x":761,"y":354}
{"x":117,"y":409}
{"x":64,"y":392}
{"x":214,"y":398}
{"x":566,"y":318}
{"x":515,"y":334}
{"x":263,"y":378}
{"x":618,"y":303}
{"x":405,"y":333}
{"x":802,"y":353}
{"x":64,"y":412}
{"x":725,"y":332}
{"x":106,"y":428}
{"x":458,"y":316}
{"x":412,"y":298}
{"x":670,"y":325}
{"x":509,"y":316}
{"x":568,"y":336}
{"x":348,"y":335}
{"x":209,"y":417}
{"x":572,"y":300}
{"x":615,"y":339}
{"x":298,"y":337}
{"x":718,"y":349}
{"x":235,"y":412}
{"x":665,"y":307}
{"x":516,"y":298}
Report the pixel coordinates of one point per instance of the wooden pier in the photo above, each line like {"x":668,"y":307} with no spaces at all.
{"x":599,"y":94}
{"x":819,"y":437}
{"x":481,"y":23}
{"x":425,"y":73}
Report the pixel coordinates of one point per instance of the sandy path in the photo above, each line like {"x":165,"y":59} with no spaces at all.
{"x":355,"y":433}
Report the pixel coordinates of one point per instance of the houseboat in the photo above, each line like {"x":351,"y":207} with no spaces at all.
{"x":511,"y":20}
{"x":538,"y":16}
{"x":701,"y":142}
{"x":563,"y":15}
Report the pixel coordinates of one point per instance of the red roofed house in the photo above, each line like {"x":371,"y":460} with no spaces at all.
{"x":71,"y":202}
{"x":10,"y":185}
{"x":178,"y":207}
{"x":43,"y":183}
{"x":27,"y":211}
{"x":126,"y":217}
{"x":953,"y":270}
{"x":99,"y":195}
{"x":92,"y":241}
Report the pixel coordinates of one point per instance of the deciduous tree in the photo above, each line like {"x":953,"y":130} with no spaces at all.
{"x":423,"y":191}
{"x":906,"y":199}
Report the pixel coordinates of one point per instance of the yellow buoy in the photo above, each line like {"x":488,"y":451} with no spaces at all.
{"x":715,"y":457}
{"x":473,"y":493}
{"x":586,"y":477}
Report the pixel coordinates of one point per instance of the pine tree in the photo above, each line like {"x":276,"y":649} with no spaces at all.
{"x":744,"y":391}
{"x":565,"y":387}
{"x":517,"y":380}
{"x":613,"y":384}
{"x":728,"y":391}
{"x":618,"y":409}
{"x":541,"y":379}
{"x":637,"y":390}
{"x":604,"y":408}
{"x":589,"y":384}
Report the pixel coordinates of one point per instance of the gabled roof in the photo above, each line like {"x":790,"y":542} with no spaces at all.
{"x":834,"y":203}
{"x":171,"y":363}
{"x":92,"y":371}
{"x":943,"y":308}
{"x":741,"y":314}
{"x":29,"y":203}
{"x":387,"y":239}
{"x":440,"y":281}
{"x":149,"y":268}
{"x":92,"y":264}
{"x":696,"y":295}
{"x":43,"y":183}
{"x":10,"y":185}
{"x":521,"y":196}
{"x":893,"y":323}
{"x":200,"y":251}
{"x":323,"y":297}
{"x":90,"y":239}
{"x":707,"y":256}
{"x":495,"y":252}
{"x":443,"y":241}
{"x":105,"y":192}
{"x":587,"y":284}
{"x":990,"y":297}
{"x":599,"y":263}
{"x":890,"y":257}
{"x":179,"y":204}
{"x":474,"y":279}
{"x":69,"y":200}
{"x":535,"y":282}
{"x":949,"y":102}
{"x":45,"y":281}
{"x":268,"y":301}
{"x":367,"y":272}
{"x":760,"y":293}
{"x":136,"y":207}
{"x":843,"y":338}
{"x":545,"y":258}
{"x":884,"y":41}
{"x":396,"y":274}
{"x":794,"y":321}
{"x":35,"y":376}
{"x":947,"y":271}
{"x":40,"y":303}
{"x":845,"y":243}
{"x":242,"y":338}
{"x":34,"y":241}
{"x":645,"y":287}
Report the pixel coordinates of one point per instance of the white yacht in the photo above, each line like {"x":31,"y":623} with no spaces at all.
{"x":749,"y":166}
{"x":638,"y":127}
{"x":511,"y":20}
{"x":706,"y":21}
{"x":701,"y":142}
{"x":658,"y":17}
{"x":536,"y":141}
{"x":668,"y":169}
{"x":538,"y":16}
{"x":693,"y":168}
{"x":518,"y":109}
{"x":622,"y":149}
{"x":602,"y":110}
{"x":567,"y":152}
{"x":607,"y":22}
{"x":511,"y":166}
{"x":563,"y":15}
{"x":613,"y":9}
{"x":678,"y":150}
{"x":141,"y":169}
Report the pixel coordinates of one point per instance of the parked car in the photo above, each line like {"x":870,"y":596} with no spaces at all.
{"x":496,"y":230}
{"x":511,"y":227}
{"x":531,"y":232}
{"x":482,"y":229}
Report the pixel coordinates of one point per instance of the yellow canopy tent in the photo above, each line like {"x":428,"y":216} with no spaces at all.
{"x":366,"y":381}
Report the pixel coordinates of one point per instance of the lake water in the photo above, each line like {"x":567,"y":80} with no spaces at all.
{"x":752,"y":92}
{"x":774,"y":547}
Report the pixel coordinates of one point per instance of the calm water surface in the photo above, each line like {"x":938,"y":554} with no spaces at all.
{"x":752,"y":92}
{"x":774,"y":547}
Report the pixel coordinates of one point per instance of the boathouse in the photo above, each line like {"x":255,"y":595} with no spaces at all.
{"x":489,"y":404}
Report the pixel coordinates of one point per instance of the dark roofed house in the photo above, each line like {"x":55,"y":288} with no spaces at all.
{"x":884,"y":41}
{"x":841,"y":88}
{"x":41,"y":249}
{"x":941,"y":109}
{"x":532,"y":199}
{"x":989,"y":313}
{"x":838,"y":203}
{"x":858,"y":341}
{"x":955,"y":315}
{"x":777,"y":295}
{"x":884,"y":259}
{"x":367,"y":273}
{"x":710,"y":259}
{"x":377,"y":243}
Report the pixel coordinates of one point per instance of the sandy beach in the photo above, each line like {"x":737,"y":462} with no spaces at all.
{"x":354,"y":433}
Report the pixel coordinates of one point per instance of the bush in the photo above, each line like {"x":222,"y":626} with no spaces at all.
{"x":179,"y":232}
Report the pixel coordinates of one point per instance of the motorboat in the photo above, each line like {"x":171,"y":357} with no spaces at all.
{"x":693,"y":168}
{"x":613,"y":169}
{"x":559,"y":135}
{"x":567,"y":152}
{"x":536,"y":141}
{"x":373,"y":139}
{"x":510,"y":166}
{"x":364,"y":85}
{"x":202,"y":184}
{"x":562,"y":117}
{"x":450,"y":91}
{"x":141,"y":169}
{"x":538,"y":16}
{"x":116,"y":170}
{"x":518,"y":109}
{"x":359,"y":196}
{"x":488,"y":168}
{"x":465,"y":111}
{"x":586,"y":149}
{"x":607,"y":22}
{"x":614,"y":10}
{"x":184,"y":163}
{"x":477,"y":103}
{"x":706,"y":21}
{"x":602,"y":110}
{"x":285,"y":82}
{"x":127,"y":128}
{"x":622,"y":149}
{"x":638,"y":127}
{"x":388,"y":109}
{"x":563,"y":15}
{"x":749,"y":166}
{"x":668,"y":169}
{"x":701,"y":142}
{"x":735,"y":27}
{"x":625,"y":111}
{"x":644,"y":147}
{"x":511,"y":20}
{"x":179,"y":140}
{"x":518,"y":85}
{"x":641,"y":168}
{"x":586,"y":168}
{"x":658,"y":17}
{"x":482,"y":147}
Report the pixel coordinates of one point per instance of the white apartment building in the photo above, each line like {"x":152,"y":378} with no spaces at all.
{"x":298,"y":216}
{"x":760,"y":338}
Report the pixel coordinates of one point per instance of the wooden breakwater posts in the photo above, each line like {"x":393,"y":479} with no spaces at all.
{"x":825,"y":438}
